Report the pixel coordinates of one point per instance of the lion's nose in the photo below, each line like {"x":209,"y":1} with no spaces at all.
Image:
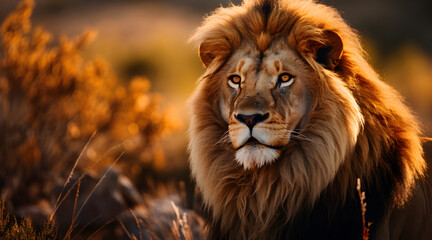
{"x":251,"y":120}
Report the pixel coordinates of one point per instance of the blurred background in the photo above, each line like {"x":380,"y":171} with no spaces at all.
{"x":115,"y":74}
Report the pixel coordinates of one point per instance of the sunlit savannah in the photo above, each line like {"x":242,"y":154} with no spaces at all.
{"x":94,"y":115}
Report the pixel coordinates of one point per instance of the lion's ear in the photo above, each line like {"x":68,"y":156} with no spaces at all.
{"x":205,"y":54}
{"x":213,"y":49}
{"x":329,"y":52}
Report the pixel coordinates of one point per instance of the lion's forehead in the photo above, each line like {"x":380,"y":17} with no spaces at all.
{"x":260,"y":69}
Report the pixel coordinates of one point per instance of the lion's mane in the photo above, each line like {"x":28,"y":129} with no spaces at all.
{"x":356,"y":119}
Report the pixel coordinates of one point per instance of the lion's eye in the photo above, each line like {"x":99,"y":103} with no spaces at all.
{"x":234,"y":81}
{"x":285,"y":80}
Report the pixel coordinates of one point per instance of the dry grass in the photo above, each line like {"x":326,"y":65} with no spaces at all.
{"x":365,"y":225}
{"x":181,"y":228}
{"x":13,"y":228}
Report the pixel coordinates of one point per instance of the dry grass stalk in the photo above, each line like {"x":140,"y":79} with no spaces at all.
{"x":125,"y":229}
{"x":181,"y":228}
{"x":58,"y":202}
{"x":97,"y":230}
{"x":77,"y":234}
{"x":98,"y":183}
{"x":365,"y":226}
{"x":76,"y":200}
{"x":75,"y":214}
{"x":72,"y":225}
{"x":137,"y":223}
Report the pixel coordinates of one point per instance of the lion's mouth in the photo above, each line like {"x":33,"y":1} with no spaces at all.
{"x":254,"y":142}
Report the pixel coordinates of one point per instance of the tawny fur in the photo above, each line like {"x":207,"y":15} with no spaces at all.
{"x":356,"y":127}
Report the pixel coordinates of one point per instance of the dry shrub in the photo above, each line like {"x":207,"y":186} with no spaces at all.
{"x":52,"y":101}
{"x":11,"y":228}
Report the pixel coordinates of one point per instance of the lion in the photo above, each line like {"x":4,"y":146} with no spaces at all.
{"x":287,"y":116}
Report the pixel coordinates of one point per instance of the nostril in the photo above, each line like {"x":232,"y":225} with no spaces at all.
{"x":251,"y":120}
{"x":262,"y":118}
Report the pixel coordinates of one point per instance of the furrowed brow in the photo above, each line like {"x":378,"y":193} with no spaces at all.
{"x":277,"y":65}
{"x":240,"y":65}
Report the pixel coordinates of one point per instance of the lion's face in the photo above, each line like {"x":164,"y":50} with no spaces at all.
{"x":264,"y":99}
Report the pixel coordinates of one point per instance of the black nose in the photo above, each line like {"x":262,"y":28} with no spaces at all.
{"x":251,"y":120}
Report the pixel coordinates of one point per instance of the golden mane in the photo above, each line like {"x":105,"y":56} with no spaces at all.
{"x":356,"y":121}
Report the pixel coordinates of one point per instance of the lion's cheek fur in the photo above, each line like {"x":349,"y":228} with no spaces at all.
{"x":332,"y":133}
{"x":224,"y":109}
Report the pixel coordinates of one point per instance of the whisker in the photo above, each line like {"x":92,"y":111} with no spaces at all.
{"x":224,"y":139}
{"x":300,"y":136}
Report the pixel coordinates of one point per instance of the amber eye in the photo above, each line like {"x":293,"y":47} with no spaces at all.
{"x":285,"y":80}
{"x":284,"y":77}
{"x":234,"y":81}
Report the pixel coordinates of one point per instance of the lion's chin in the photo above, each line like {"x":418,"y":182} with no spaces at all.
{"x":256,"y":155}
